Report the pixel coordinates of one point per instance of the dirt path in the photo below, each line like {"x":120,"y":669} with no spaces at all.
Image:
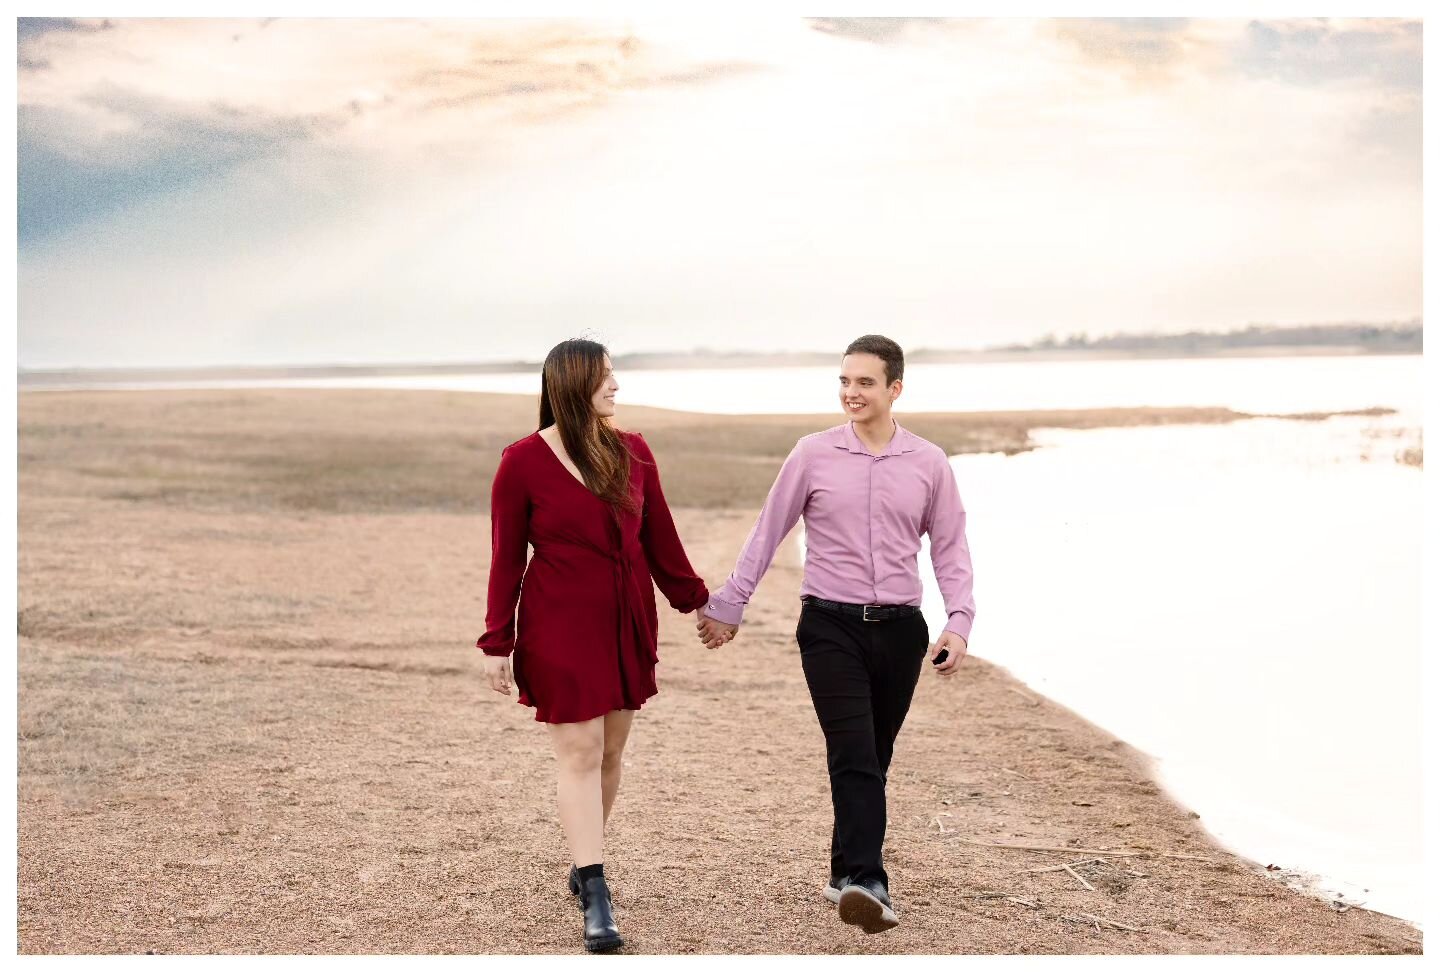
{"x":263,"y":730}
{"x":275,"y":772}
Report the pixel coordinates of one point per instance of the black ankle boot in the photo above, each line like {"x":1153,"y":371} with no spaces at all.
{"x":575,"y":882}
{"x":601,"y":935}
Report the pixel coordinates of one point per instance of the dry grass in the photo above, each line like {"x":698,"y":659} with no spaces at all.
{"x":250,"y":720}
{"x":400,"y":451}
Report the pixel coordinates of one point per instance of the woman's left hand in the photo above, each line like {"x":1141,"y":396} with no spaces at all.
{"x":712,"y":632}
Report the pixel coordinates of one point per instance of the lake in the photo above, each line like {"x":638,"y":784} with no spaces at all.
{"x":1325,"y":383}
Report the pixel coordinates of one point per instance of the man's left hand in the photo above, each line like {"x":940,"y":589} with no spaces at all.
{"x":957,"y":647}
{"x":714,"y":633}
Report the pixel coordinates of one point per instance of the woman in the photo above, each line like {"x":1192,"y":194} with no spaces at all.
{"x":587,"y":497}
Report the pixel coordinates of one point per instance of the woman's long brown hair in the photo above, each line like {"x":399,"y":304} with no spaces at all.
{"x":572,"y":374}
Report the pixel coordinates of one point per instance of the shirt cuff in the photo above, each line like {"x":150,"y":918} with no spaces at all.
{"x":724,"y":611}
{"x":959,"y":624}
{"x":494,"y":650}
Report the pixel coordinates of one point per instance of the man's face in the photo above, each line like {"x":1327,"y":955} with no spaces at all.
{"x":864,"y":396}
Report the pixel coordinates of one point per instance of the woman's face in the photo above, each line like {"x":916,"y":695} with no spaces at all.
{"x":604,"y":397}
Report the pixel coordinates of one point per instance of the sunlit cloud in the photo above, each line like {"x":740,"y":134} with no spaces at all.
{"x":145,"y":105}
{"x":342,"y":74}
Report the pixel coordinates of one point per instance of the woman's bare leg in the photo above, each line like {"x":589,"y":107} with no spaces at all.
{"x":579,"y":752}
{"x":617,"y":731}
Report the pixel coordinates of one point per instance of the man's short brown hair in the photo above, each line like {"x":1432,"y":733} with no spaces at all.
{"x":884,"y":349}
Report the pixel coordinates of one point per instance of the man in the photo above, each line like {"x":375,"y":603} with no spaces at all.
{"x":868,"y":490}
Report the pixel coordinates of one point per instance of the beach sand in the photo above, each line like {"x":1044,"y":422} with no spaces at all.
{"x":251,"y":717}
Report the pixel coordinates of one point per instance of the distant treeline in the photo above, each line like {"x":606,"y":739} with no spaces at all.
{"x":1369,"y":337}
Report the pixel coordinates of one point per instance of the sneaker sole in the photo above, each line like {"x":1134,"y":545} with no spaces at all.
{"x":832,"y":894}
{"x":860,"y":907}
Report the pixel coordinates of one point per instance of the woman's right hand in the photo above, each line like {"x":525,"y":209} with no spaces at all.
{"x":497,"y":671}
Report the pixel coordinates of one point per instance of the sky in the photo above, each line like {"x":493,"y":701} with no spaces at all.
{"x":292,"y":191}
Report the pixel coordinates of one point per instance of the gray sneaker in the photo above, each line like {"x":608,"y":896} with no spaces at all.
{"x":868,"y":905}
{"x":833,"y":889}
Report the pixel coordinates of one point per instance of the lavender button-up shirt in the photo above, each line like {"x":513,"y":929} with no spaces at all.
{"x":864,"y":515}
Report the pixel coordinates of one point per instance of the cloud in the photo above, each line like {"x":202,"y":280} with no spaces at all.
{"x":1145,"y":48}
{"x":876,"y":30}
{"x":1317,"y":52}
{"x":708,"y":73}
{"x":27,"y":28}
{"x":171,"y":146}
{"x":1296,"y":52}
{"x":1373,"y":65}
{"x":113,"y":112}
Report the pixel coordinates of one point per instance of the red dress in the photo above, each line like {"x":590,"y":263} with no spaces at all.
{"x":585,"y":638}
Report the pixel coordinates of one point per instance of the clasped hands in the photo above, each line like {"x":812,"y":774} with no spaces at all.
{"x":715,"y":633}
{"x":711,"y":632}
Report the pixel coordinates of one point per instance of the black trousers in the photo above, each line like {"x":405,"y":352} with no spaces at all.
{"x":861,"y":675}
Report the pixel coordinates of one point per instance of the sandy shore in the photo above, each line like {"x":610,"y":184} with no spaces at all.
{"x":251,"y":719}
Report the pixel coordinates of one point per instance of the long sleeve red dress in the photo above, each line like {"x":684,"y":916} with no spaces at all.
{"x":584,"y":634}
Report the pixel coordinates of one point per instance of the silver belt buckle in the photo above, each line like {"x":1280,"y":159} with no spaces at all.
{"x":865,"y":612}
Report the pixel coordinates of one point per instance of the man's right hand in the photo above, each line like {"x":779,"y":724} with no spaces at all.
{"x":712,"y":632}
{"x":955,"y":646}
{"x":497,"y":672}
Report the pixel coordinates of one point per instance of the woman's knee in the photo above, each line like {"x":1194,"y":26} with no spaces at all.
{"x":580,"y":747}
{"x":580,"y":759}
{"x":611,"y":759}
{"x":580,"y":756}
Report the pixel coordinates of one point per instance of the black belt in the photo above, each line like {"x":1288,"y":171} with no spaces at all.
{"x":866,"y":612}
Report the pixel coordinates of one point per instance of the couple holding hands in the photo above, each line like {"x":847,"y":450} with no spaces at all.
{"x":580,"y":642}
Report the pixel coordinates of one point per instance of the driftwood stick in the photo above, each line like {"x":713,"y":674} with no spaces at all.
{"x":1087,"y":919}
{"x":1061,"y":867}
{"x":1076,"y":875}
{"x":1078,"y":850}
{"x":1112,"y":922}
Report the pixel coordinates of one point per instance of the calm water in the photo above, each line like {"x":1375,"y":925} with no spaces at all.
{"x":1246,"y":384}
{"x":1241,"y":601}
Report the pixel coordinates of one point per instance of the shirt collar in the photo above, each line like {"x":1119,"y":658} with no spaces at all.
{"x":900,"y":443}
